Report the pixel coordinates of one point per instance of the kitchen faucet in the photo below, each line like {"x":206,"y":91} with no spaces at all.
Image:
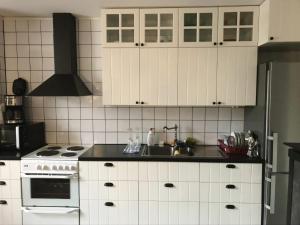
{"x":165,"y":128}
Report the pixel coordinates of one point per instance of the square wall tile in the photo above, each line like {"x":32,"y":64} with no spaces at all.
{"x":123,"y":113}
{"x":148,"y":113}
{"x":135,"y":113}
{"x":160,"y":113}
{"x":198,"y":113}
{"x":212,"y":114}
{"x":211,"y":126}
{"x":111,"y":113}
{"x":186,"y":113}
{"x":172,"y":113}
{"x":224,"y":113}
{"x":238,"y":114}
{"x":111,"y":125}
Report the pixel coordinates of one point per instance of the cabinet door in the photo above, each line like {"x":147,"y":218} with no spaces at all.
{"x":158,"y":74}
{"x":238,"y":26}
{"x":198,"y":27}
{"x":236,"y":76}
{"x":121,"y":76}
{"x":159,"y":27}
{"x":277,"y":21}
{"x":197,"y":76}
{"x":120,"y":27}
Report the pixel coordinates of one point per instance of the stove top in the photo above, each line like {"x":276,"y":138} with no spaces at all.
{"x":56,"y":152}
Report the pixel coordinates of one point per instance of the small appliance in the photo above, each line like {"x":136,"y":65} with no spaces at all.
{"x":22,"y":138}
{"x":14,"y":110}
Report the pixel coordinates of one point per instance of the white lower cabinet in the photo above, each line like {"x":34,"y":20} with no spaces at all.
{"x":10,"y":193}
{"x":171,"y":193}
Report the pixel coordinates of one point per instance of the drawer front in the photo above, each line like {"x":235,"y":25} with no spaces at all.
{"x":10,"y":189}
{"x":168,"y":191}
{"x":107,"y":171}
{"x":9,"y":170}
{"x":108,"y":212}
{"x":114,"y":190}
{"x":168,"y":213}
{"x":227,"y":214}
{"x":235,"y":192}
{"x":231,"y":172}
{"x":10,"y":213}
{"x":164,"y":171}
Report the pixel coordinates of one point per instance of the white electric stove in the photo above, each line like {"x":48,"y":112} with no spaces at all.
{"x":50,"y":185}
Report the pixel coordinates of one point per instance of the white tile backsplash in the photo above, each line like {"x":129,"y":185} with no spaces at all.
{"x":84,"y":120}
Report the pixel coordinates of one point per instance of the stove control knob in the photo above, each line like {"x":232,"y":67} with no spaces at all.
{"x":54,"y":167}
{"x":67,"y":168}
{"x":73,"y":167}
{"x":45,"y":167}
{"x":39,"y":167}
{"x":61,"y":168}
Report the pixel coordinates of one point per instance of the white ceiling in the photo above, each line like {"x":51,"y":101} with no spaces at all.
{"x":91,"y":8}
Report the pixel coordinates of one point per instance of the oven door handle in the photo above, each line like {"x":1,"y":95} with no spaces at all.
{"x":50,"y":176}
{"x":49,"y":210}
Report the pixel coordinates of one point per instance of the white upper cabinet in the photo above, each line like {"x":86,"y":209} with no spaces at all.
{"x":236,"y":80}
{"x":120,"y":27}
{"x":198,"y":27}
{"x":277,"y":21}
{"x":159,"y":27}
{"x":238,"y":26}
{"x":158,"y":76}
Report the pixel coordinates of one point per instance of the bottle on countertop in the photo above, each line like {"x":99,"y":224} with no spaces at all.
{"x":151,"y":137}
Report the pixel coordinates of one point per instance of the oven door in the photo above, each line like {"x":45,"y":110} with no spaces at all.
{"x":50,"y":190}
{"x":50,"y":216}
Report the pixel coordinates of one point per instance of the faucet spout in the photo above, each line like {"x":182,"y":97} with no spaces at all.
{"x":175,"y":127}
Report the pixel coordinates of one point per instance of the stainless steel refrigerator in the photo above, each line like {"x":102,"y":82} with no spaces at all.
{"x":276,"y":119}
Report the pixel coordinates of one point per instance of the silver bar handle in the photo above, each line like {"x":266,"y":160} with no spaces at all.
{"x":18,"y":137}
{"x":274,"y":139}
{"x":50,"y":176}
{"x":49,"y":210}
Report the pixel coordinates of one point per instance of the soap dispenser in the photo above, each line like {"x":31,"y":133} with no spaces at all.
{"x":151,"y":137}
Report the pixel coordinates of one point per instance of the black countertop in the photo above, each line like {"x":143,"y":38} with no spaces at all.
{"x":295,"y":146}
{"x":113,"y":152}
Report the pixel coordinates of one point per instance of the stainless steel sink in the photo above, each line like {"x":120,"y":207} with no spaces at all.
{"x":165,"y":150}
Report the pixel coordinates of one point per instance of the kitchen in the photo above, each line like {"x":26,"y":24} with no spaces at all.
{"x":92,"y":94}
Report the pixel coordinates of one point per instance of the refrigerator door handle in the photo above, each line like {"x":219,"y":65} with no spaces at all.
{"x":271,"y":204}
{"x":274,"y":139}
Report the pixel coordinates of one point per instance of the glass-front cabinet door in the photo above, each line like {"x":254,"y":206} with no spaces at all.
{"x":120,"y":27}
{"x":159,"y":27}
{"x":238,"y":26}
{"x":198,"y":27}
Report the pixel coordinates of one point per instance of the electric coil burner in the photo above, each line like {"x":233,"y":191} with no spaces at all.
{"x":75,"y":148}
{"x":68,"y":154}
{"x":47,"y":153}
{"x":54,"y":147}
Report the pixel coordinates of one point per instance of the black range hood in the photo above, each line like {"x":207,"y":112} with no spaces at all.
{"x":65,"y":81}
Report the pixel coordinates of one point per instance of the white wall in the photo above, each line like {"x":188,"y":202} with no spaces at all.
{"x":84,"y":120}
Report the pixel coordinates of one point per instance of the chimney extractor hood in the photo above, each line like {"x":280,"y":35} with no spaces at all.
{"x":65,"y":81}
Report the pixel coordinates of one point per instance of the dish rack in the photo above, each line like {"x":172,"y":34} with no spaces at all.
{"x":232,"y":150}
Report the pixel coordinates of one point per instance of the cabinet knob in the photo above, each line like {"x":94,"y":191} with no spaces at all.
{"x":2,"y":163}
{"x":137,"y":102}
{"x":230,"y":166}
{"x":221,"y":43}
{"x":136,"y":44}
{"x":2,"y":183}
{"x":230,"y":186}
{"x":142,"y":103}
{"x":214,"y":103}
{"x":108,"y":184}
{"x":230,"y":207}
{"x":109,"y":204}
{"x":142,"y":44}
{"x":3,"y":202}
{"x":271,"y":38}
{"x":215,"y":43}
{"x":108,"y":164}
{"x":169,"y":185}
{"x":219,"y":103}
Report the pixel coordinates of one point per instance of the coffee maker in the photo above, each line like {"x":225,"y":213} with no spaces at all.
{"x":14,"y":109}
{"x":14,"y":104}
